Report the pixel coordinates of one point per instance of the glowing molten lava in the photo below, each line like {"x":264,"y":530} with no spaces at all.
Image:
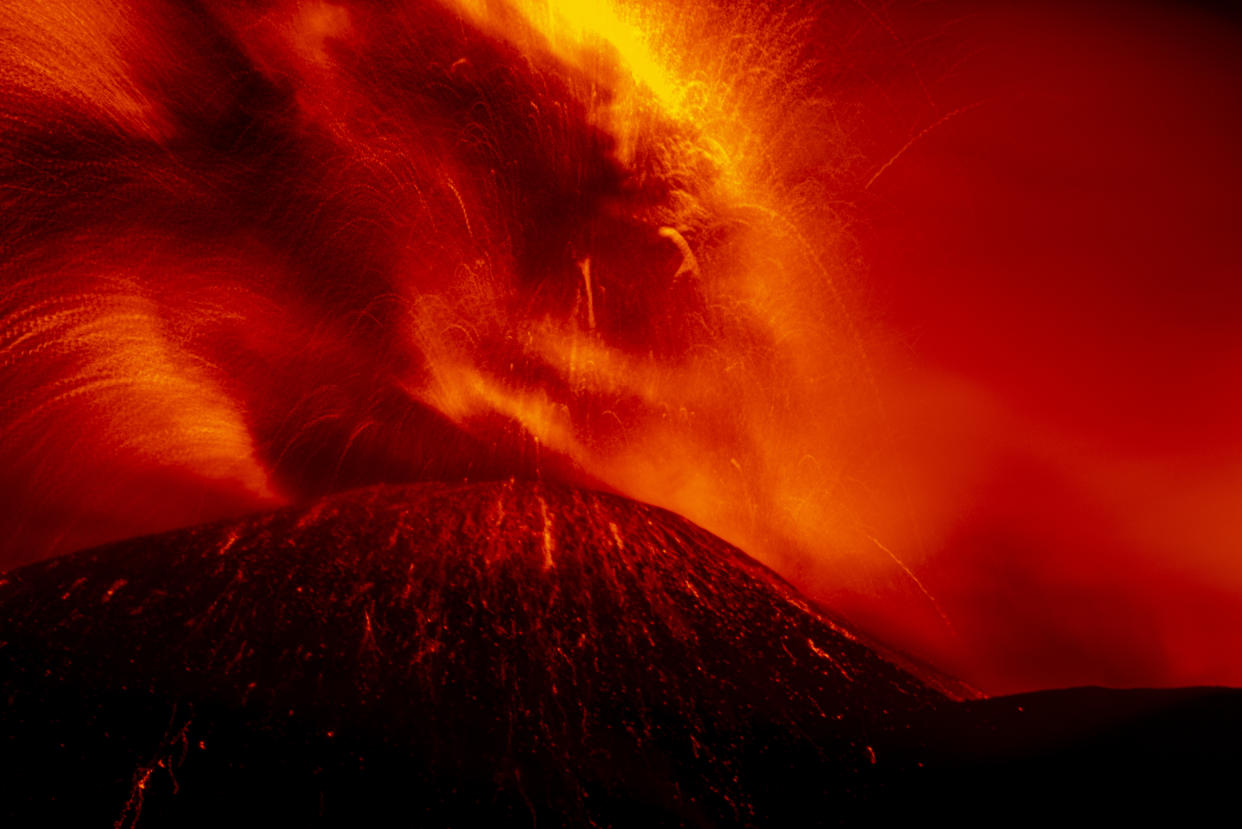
{"x":508,"y":650}
{"x":258,"y":252}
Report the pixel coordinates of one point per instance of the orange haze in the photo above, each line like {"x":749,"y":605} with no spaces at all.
{"x":933,"y":307}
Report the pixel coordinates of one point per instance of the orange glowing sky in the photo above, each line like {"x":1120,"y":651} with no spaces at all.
{"x":933,"y":307}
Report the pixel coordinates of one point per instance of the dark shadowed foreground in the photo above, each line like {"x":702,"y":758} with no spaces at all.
{"x":520,"y":653}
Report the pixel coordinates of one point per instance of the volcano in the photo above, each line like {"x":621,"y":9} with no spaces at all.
{"x":521,"y":653}
{"x":501,"y":650}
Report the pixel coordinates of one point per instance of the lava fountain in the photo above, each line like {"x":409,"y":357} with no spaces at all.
{"x":258,"y":253}
{"x":312,"y":246}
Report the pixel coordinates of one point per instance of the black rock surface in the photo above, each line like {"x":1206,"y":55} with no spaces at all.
{"x":516,"y":654}
{"x":503,"y":650}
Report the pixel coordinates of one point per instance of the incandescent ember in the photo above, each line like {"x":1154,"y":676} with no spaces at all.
{"x":507,"y":649}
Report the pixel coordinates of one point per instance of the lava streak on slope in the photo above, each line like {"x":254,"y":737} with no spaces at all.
{"x":504,"y":650}
{"x":523,"y":653}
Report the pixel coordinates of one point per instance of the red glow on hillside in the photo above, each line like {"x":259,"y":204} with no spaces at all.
{"x":932,"y":308}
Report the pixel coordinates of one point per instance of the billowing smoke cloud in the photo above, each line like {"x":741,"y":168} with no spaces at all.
{"x":924,"y":307}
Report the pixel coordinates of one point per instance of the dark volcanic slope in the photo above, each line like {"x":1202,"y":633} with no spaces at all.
{"x":512,"y":651}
